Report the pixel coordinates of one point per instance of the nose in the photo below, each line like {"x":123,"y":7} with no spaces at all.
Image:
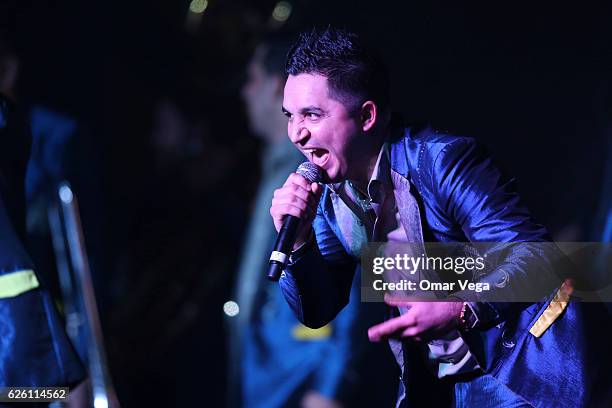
{"x":299,"y":134}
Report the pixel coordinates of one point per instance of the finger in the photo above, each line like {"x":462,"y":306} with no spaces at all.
{"x":288,"y":194}
{"x":292,"y":200}
{"x":397,"y":301}
{"x":317,"y":189}
{"x":412,"y":332}
{"x":282,"y":210}
{"x":300,"y":210}
{"x":298,"y":180}
{"x":387,"y":329}
{"x":291,"y":190}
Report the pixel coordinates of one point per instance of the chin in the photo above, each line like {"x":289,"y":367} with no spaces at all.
{"x":333,"y":177}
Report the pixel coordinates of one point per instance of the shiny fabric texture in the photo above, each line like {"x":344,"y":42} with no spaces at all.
{"x":34,"y":348}
{"x":486,"y":392}
{"x":462,"y":196}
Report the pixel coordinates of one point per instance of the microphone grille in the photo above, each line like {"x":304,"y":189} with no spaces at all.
{"x":310,"y":172}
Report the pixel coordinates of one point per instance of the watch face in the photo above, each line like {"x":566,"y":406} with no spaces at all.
{"x":467,"y":319}
{"x":470,"y":317}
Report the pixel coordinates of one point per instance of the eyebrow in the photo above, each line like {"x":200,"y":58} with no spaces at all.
{"x":305,"y":110}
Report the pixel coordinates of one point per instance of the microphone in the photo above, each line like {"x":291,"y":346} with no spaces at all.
{"x":286,"y":235}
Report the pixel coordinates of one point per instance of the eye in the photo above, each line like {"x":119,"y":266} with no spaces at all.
{"x":312,"y":115}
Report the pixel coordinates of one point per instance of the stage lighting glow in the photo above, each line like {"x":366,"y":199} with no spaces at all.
{"x":282,"y":11}
{"x":100,"y":402}
{"x":198,"y":6}
{"x":231,"y":308}
{"x":65,"y":194}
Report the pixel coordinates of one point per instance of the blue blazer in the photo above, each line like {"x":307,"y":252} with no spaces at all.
{"x":449,"y":188}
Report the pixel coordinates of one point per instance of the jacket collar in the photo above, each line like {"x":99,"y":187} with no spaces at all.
{"x":398,"y":152}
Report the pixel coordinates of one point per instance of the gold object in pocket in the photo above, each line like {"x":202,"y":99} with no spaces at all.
{"x":554,"y":309}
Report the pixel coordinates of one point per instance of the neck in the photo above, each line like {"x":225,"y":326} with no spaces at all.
{"x":362,"y":178}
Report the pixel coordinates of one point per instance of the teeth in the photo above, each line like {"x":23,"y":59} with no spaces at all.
{"x":310,"y":152}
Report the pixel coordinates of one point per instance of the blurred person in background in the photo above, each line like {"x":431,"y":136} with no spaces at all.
{"x":275,"y":361}
{"x":176,"y":248}
{"x":34,"y":348}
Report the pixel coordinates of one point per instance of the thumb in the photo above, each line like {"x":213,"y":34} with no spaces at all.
{"x":317,"y":189}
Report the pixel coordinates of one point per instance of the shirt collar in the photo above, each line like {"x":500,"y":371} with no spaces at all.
{"x":380,"y":179}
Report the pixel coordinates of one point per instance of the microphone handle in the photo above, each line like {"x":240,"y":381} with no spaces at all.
{"x":282,"y":247}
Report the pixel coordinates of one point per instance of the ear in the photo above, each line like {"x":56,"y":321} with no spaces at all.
{"x":369,"y":115}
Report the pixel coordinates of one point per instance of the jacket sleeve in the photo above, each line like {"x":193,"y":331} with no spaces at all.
{"x":337,"y":378}
{"x":473,"y":192}
{"x":317,"y":281}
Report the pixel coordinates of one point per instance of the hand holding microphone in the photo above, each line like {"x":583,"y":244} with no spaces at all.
{"x":293,"y":209}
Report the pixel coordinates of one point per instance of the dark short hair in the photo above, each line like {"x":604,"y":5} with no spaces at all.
{"x":354,"y":72}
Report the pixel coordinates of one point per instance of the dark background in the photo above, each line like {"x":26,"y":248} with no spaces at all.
{"x":164,"y":227}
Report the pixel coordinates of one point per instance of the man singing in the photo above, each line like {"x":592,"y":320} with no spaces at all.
{"x":385,"y":183}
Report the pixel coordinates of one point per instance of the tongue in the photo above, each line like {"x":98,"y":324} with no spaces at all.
{"x":319,"y":156}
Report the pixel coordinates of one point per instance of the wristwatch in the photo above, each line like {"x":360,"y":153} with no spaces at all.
{"x":467,"y":317}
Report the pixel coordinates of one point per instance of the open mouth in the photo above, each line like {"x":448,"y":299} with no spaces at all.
{"x":317,"y":156}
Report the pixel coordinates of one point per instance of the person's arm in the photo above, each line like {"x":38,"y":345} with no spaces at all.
{"x":317,"y":282}
{"x":473,"y":192}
